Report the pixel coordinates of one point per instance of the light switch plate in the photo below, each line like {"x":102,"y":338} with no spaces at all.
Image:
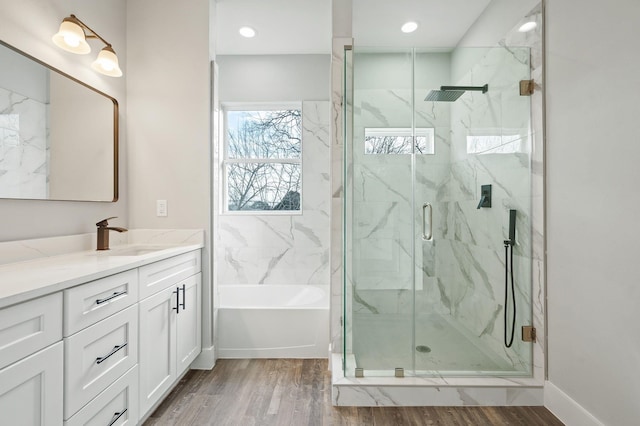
{"x":161,"y":208}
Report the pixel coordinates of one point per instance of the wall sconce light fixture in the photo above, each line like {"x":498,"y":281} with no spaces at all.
{"x":72,"y":37}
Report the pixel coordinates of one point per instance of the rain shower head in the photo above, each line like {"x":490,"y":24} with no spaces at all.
{"x":444,"y":95}
{"x":452,"y":93}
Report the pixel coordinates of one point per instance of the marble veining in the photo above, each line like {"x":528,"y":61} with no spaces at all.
{"x":24,"y":146}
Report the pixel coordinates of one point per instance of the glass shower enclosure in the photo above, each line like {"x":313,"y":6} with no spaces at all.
{"x":424,"y":266}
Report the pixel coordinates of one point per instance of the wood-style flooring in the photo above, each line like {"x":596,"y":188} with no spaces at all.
{"x":295,"y":392}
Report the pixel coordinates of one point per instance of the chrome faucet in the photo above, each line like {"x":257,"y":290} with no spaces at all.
{"x":103,"y":233}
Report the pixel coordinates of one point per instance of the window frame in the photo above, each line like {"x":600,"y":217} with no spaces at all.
{"x":225,"y":160}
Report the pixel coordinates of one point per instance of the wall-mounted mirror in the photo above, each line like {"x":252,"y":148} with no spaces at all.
{"x":58,"y":136}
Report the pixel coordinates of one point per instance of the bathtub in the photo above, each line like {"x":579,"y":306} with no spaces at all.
{"x":273,"y":321}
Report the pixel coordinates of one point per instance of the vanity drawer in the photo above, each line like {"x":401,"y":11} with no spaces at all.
{"x":89,"y":303}
{"x":97,"y":356}
{"x":117,"y":405}
{"x":160,"y":275}
{"x":27,"y":327}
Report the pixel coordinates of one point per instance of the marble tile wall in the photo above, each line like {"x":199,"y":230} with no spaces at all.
{"x":284,"y":249}
{"x":23,"y":146}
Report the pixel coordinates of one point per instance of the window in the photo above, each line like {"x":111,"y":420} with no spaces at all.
{"x":398,"y":141}
{"x":495,"y":141}
{"x":262,"y":159}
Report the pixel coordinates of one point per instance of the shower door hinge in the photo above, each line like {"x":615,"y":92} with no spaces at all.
{"x":359,"y":372}
{"x":399,"y":372}
{"x":526,"y":87}
{"x":528,"y":333}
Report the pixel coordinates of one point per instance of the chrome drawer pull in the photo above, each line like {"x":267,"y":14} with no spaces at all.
{"x":116,"y":416}
{"x":113,"y":351}
{"x":113,"y":296}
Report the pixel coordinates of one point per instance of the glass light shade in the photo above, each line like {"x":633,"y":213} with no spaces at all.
{"x":107,"y":63}
{"x":71,"y":38}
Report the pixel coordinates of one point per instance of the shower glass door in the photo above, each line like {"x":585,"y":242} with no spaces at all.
{"x":424,"y":266}
{"x":380,"y":210}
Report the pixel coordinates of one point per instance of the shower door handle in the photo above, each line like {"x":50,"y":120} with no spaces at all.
{"x":425,"y":236}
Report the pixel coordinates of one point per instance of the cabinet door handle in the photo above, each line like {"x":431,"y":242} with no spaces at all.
{"x":115,"y":349}
{"x":184,"y":296}
{"x":116,"y":416}
{"x":177,"y":308}
{"x":113,"y":296}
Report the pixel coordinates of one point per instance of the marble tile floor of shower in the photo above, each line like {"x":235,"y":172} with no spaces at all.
{"x":382,"y":342}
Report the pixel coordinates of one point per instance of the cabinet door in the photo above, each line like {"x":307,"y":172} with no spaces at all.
{"x":157,"y":354}
{"x":31,"y":389}
{"x":188,"y":322}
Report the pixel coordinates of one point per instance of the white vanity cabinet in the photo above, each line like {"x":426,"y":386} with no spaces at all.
{"x":170,"y":337}
{"x":31,"y":379}
{"x":102,"y":348}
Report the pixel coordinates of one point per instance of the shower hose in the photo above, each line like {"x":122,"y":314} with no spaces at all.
{"x":508,"y":266}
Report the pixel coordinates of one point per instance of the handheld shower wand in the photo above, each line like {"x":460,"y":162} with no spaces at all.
{"x":508,"y":259}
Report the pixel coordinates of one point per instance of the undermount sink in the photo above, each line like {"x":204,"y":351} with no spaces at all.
{"x":134,"y":250}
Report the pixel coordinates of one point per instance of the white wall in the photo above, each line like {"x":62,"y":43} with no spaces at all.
{"x":168,"y":90}
{"x":88,"y":135}
{"x":269,"y":78}
{"x":592,"y":205}
{"x":28,"y":25}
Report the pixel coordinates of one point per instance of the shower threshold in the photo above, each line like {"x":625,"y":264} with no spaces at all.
{"x":431,"y":391}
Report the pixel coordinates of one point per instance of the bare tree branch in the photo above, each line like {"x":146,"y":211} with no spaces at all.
{"x":256,"y":184}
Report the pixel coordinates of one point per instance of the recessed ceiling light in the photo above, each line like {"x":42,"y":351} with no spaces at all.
{"x":528,"y":26}
{"x":247,"y":32}
{"x":409,"y":27}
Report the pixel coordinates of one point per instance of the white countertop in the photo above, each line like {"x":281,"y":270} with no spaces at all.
{"x":26,"y":280}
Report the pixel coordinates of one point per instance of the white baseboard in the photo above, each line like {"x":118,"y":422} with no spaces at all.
{"x":566,"y":409}
{"x":206,"y":360}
